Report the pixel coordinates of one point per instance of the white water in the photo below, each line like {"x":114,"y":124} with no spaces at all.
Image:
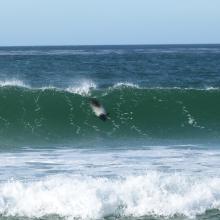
{"x":125,"y":84}
{"x":154,"y":193}
{"x":94,"y":183}
{"x":13,"y":82}
{"x":85,"y":86}
{"x":82,"y":87}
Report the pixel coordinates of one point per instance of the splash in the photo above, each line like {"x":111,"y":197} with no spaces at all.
{"x":83,"y":88}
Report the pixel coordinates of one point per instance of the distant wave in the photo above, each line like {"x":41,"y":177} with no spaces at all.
{"x":117,"y":50}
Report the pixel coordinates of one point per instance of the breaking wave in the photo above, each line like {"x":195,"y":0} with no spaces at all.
{"x":155,"y":194}
{"x":52,"y":114}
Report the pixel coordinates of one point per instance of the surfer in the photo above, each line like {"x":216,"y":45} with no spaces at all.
{"x":98,"y":109}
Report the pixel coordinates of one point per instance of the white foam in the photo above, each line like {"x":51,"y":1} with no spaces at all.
{"x":13,"y":82}
{"x":211,"y":88}
{"x":125,"y":84}
{"x":82,"y":87}
{"x":87,"y":197}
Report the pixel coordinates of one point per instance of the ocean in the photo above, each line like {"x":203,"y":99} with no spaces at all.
{"x":156,"y":157}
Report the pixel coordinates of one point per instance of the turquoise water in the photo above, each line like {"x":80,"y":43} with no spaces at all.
{"x":157,"y":155}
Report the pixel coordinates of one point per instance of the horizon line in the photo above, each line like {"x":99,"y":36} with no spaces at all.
{"x":100,"y":45}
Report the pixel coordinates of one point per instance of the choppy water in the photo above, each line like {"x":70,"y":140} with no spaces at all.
{"x":157,"y":155}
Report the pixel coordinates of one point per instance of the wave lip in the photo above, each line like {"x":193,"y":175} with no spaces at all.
{"x":155,"y":193}
{"x":125,"y":84}
{"x":83,"y":88}
{"x":14,"y":83}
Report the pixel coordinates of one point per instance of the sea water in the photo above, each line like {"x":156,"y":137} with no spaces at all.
{"x":156,"y":157}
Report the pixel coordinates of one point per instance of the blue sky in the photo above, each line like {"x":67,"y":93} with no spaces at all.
{"x":83,"y":22}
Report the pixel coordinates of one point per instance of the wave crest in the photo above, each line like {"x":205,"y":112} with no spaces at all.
{"x":83,"y":88}
{"x":13,"y":82}
{"x":125,"y":84}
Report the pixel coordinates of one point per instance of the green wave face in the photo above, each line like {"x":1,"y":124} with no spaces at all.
{"x":37,"y":115}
